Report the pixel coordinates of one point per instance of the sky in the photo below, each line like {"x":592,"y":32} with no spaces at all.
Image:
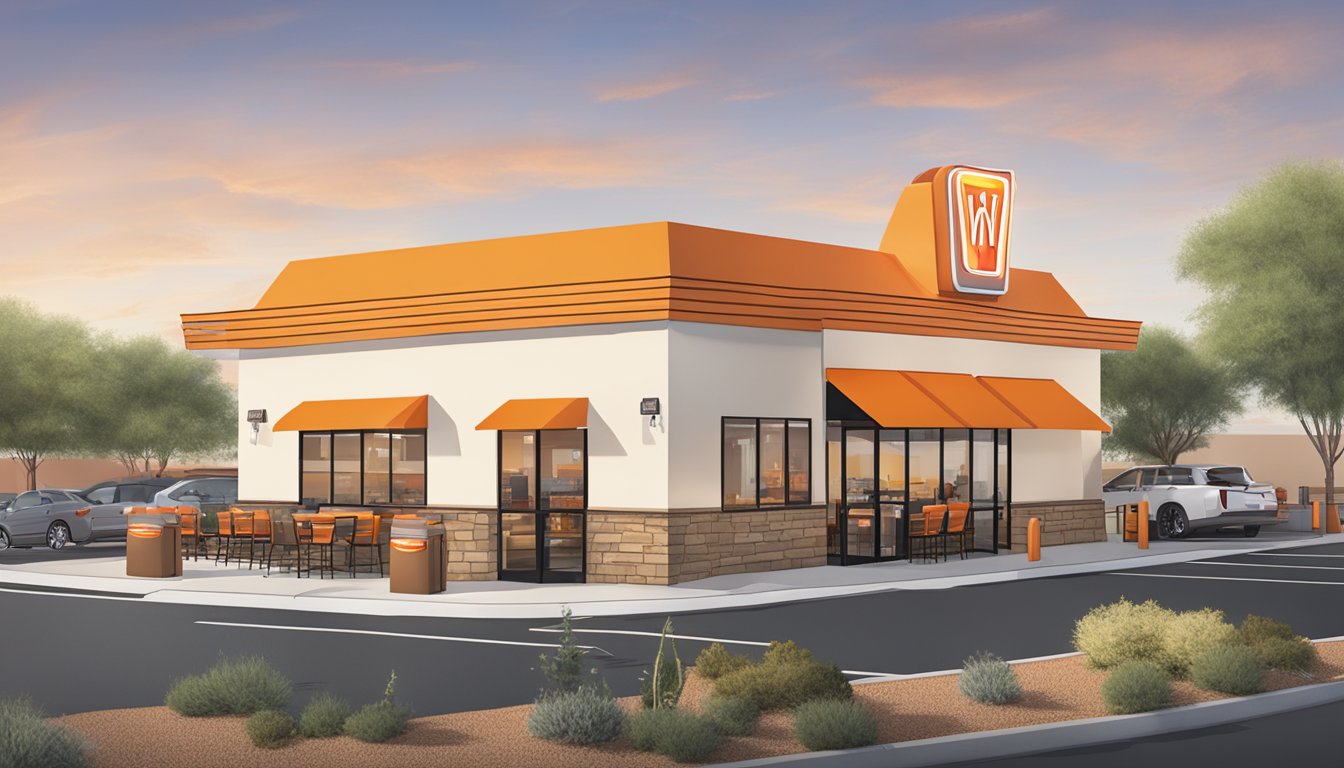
{"x":160,"y":158}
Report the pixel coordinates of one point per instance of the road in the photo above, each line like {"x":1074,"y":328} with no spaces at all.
{"x":75,"y":652}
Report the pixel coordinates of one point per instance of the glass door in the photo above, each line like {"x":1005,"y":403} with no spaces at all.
{"x":859,"y":528}
{"x":984,"y":518}
{"x":543,"y":496}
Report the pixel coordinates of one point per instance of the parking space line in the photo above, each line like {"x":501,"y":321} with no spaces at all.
{"x":376,"y":633}
{"x":1270,"y":565}
{"x":1224,"y":578}
{"x":1284,"y":554}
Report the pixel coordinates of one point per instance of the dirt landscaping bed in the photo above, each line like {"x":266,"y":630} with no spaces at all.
{"x":1053,"y":691}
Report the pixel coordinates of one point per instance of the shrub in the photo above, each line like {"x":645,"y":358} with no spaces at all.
{"x":1136,"y":686}
{"x":716,"y":661}
{"x":680,"y":735}
{"x":29,"y":741}
{"x":324,"y":717}
{"x":786,"y":652}
{"x":270,"y":728}
{"x":1122,"y":631}
{"x":988,"y":679}
{"x":663,"y":687}
{"x":377,"y":722}
{"x":784,"y":685}
{"x":1293,"y":654}
{"x":588,"y":715}
{"x":564,"y":669}
{"x":732,"y":717}
{"x":232,"y":687}
{"x":1230,"y":669}
{"x":1257,"y":628}
{"x":820,"y":725}
{"x":1189,"y":634}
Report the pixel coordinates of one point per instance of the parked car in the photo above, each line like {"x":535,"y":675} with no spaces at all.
{"x":198,"y":492}
{"x":1183,"y":498}
{"x":106,"y":520}
{"x":45,"y":516}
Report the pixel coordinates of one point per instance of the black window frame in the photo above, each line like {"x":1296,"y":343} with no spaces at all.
{"x":789,"y":502}
{"x":331,"y":474}
{"x":539,"y":515}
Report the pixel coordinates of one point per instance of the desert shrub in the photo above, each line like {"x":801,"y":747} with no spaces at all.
{"x":988,"y":679}
{"x":716,"y":661}
{"x":1257,"y":628}
{"x":587,"y":715}
{"x":564,"y":669}
{"x":732,"y":717}
{"x":784,"y":685}
{"x":1189,"y":634}
{"x":324,"y":717}
{"x":270,"y":728}
{"x":680,"y":735}
{"x":1122,"y":631}
{"x":1230,"y":669}
{"x":1292,"y":654}
{"x":820,"y":725}
{"x":1136,"y":686}
{"x":232,"y":687}
{"x":377,"y":722}
{"x":786,"y":652}
{"x":663,"y":687}
{"x":29,"y":741}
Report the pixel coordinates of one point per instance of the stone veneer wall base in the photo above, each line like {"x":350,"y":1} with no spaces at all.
{"x":1062,"y":522}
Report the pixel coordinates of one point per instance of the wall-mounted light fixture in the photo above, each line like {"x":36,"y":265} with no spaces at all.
{"x":256,"y":418}
{"x":651,"y":407}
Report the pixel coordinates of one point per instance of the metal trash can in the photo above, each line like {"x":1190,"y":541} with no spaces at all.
{"x":1131,"y":532}
{"x":419,"y":559}
{"x":153,"y":545}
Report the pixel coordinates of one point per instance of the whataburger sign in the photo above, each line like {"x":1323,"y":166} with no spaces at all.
{"x":973,"y":211}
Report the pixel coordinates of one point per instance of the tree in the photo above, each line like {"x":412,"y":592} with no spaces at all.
{"x":46,"y":385}
{"x":159,"y":403}
{"x":1273,"y":265}
{"x":1164,"y":398}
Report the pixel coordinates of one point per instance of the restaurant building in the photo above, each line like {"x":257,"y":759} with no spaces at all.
{"x":660,"y":402}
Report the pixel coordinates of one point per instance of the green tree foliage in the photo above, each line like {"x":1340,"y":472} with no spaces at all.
{"x":46,"y":394}
{"x":1164,"y":398}
{"x":1273,"y":265}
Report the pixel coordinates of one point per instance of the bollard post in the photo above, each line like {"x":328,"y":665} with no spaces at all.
{"x":1316,"y":517}
{"x":1034,"y":539}
{"x":1143,"y":525}
{"x":1332,"y":519}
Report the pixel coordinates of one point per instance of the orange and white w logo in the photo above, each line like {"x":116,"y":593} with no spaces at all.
{"x":984,"y":219}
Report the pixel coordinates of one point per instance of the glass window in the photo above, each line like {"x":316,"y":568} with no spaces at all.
{"x":834,"y":488}
{"x":772,"y":462}
{"x":408,"y":469}
{"x":891,"y":489}
{"x":1228,"y":476}
{"x":739,"y":462}
{"x":859,"y":467}
{"x":345,"y":472}
{"x":800,"y":462}
{"x":562,"y":480}
{"x":1174,"y":476}
{"x":377,"y":467}
{"x":103,"y":495}
{"x":517,"y":470}
{"x":924,"y":483}
{"x":982,"y":466}
{"x":564,"y":541}
{"x":1125,"y":481}
{"x":1002,"y":468}
{"x":315,"y":468}
{"x":956,"y":469}
{"x":518,"y":541}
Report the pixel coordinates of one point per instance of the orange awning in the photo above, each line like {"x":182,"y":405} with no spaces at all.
{"x":1045,"y":403}
{"x":368,"y":413}
{"x":541,"y":413}
{"x":891,"y":398}
{"x":968,"y":399}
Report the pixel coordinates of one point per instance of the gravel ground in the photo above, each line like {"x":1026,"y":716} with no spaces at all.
{"x":1061,"y":689}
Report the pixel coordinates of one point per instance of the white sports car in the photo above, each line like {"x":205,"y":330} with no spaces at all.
{"x":1186,"y":497}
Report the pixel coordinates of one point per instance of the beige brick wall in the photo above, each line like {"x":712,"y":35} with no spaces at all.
{"x":1062,"y":522}
{"x":684,"y":545}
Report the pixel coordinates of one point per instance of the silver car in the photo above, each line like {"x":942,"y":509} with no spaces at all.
{"x":1183,"y":498}
{"x":48,"y":516}
{"x":200,"y":492}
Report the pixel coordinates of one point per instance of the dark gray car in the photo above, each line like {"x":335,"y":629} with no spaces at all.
{"x":40,"y":517}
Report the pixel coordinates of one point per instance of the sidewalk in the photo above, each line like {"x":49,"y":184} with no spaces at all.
{"x":204,"y":583}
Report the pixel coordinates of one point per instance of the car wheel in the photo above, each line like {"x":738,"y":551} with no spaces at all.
{"x":58,"y":535}
{"x":4,"y":541}
{"x":1250,"y":531}
{"x":1172,"y":522}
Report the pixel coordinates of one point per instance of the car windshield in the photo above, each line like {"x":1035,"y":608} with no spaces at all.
{"x":1228,"y":476}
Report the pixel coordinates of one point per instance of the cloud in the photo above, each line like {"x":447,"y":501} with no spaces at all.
{"x":397,"y":68}
{"x":752,"y":96}
{"x":969,"y":91}
{"x":645,"y":90}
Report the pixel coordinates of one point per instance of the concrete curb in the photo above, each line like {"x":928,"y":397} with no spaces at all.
{"x":1029,"y":740}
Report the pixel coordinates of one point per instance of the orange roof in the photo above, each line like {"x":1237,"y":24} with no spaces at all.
{"x":1045,"y":403}
{"x":648,"y":272}
{"x":897,"y":399}
{"x":367,"y":413}
{"x":541,"y":413}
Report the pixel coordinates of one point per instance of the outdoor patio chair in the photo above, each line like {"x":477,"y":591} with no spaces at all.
{"x":261,"y":537}
{"x":927,"y":536}
{"x":958,"y":512}
{"x":366,"y":538}
{"x":240,"y":536}
{"x":190,"y":526}
{"x":223,"y":535}
{"x":285,"y":535}
{"x":325,"y":538}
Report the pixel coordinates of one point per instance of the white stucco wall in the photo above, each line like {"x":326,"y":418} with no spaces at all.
{"x":467,"y":376}
{"x":1048,"y":465}
{"x":720,"y":370}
